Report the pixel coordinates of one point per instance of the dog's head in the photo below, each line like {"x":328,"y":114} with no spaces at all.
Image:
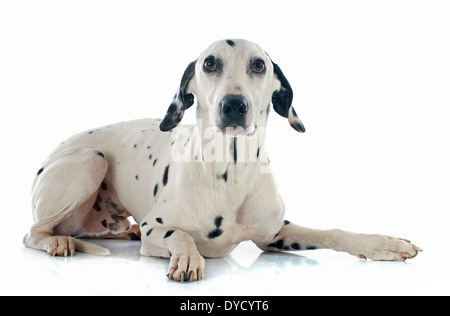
{"x":234,"y":82}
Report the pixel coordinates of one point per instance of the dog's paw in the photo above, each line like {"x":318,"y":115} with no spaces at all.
{"x":61,"y":246}
{"x":186,"y":267}
{"x":386,"y":248}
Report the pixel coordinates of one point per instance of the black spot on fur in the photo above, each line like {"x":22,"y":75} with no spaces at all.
{"x":118,"y":218}
{"x":166,"y":175}
{"x":150,"y":157}
{"x":97,"y":207}
{"x":218,"y":221}
{"x":154,"y":162}
{"x":143,"y":224}
{"x":296,"y":246}
{"x":40,"y":171}
{"x":169,"y":233}
{"x":155,"y":190}
{"x":234,"y":150}
{"x":215,"y":233}
{"x":159,"y":220}
{"x":101,"y":154}
{"x":136,"y":177}
{"x":231,"y":43}
{"x":187,"y":142}
{"x":279,"y":244}
{"x":286,"y":222}
{"x":311,"y":248}
{"x":104,"y":186}
{"x":113,"y":226}
{"x":112,"y":207}
{"x":224,"y":176}
{"x":149,"y":232}
{"x":105,"y":223}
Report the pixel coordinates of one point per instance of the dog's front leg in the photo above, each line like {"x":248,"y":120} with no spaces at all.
{"x":186,"y":263}
{"x":375,"y":247}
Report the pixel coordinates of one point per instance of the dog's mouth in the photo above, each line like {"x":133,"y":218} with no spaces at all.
{"x":235,"y":130}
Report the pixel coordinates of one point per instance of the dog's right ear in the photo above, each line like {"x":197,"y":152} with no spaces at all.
{"x":183,"y":100}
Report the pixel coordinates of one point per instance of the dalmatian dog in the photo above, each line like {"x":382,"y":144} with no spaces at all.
{"x":194,"y":191}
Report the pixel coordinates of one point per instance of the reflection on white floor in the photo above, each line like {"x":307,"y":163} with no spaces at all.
{"x":246,"y":271}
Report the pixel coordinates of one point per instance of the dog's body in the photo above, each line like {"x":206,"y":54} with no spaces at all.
{"x":196,"y":190}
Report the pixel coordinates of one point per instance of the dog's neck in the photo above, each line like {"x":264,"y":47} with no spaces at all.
{"x":222,"y":148}
{"x":226,"y":156}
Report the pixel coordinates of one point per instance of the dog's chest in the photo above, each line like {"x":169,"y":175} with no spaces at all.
{"x":212,"y":211}
{"x":217,"y":233}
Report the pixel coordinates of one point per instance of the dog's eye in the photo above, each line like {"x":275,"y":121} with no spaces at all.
{"x":258,"y":66}
{"x":210,"y":64}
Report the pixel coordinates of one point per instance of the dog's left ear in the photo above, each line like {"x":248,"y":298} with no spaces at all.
{"x":182,"y":101}
{"x":282,"y":100}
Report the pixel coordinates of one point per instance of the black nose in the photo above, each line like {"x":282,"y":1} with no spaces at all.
{"x":234,"y":106}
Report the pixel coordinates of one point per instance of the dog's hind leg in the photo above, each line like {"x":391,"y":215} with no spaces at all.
{"x":63,"y":194}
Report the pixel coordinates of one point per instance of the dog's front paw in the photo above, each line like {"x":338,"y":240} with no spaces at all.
{"x":186,"y":267}
{"x":61,"y":246}
{"x":386,"y":248}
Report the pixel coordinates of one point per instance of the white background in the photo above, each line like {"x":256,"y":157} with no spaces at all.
{"x":371,"y":82}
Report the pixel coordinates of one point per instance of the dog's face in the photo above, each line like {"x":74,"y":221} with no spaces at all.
{"x":234,"y":82}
